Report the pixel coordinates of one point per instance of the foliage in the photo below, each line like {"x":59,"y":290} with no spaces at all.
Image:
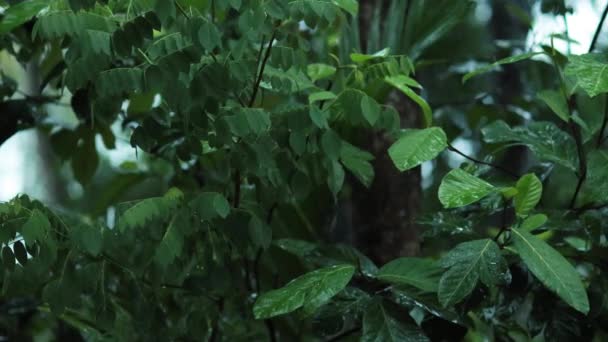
{"x":248,"y":117}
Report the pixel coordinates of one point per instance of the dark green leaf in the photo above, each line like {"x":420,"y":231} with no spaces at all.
{"x":552,"y":269}
{"x":421,"y":273}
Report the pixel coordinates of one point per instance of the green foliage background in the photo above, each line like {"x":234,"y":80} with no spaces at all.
{"x":247,"y":118}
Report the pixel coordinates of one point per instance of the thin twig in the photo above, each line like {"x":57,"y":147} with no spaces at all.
{"x":181,"y":9}
{"x":237,"y":188}
{"x":343,"y":334}
{"x":598,"y":30}
{"x":503,"y":224}
{"x":600,"y":138}
{"x":582,"y":162}
{"x":256,"y":86}
{"x":498,"y":167}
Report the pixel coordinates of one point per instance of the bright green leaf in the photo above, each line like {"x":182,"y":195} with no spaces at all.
{"x":310,"y":291}
{"x":590,"y":72}
{"x":401,"y":82}
{"x":551,"y":268}
{"x":417,"y":146}
{"x":529,"y":192}
{"x":459,"y":188}
{"x":557,"y":102}
{"x":493,"y":66}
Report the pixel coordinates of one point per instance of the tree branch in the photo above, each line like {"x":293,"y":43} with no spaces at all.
{"x":498,"y":167}
{"x":598,"y":30}
{"x":582,"y":162}
{"x":600,"y":138}
{"x":256,"y":86}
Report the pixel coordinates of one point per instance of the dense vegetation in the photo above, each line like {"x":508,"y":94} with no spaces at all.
{"x":255,"y":125}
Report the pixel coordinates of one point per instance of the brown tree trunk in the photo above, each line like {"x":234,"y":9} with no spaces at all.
{"x":384,"y":215}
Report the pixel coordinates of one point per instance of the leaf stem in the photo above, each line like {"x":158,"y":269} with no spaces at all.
{"x":451,"y":148}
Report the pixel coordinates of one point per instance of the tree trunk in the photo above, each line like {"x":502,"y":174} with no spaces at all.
{"x":384,"y":215}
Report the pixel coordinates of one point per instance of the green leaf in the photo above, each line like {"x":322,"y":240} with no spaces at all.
{"x":350,"y":6}
{"x":208,"y":36}
{"x":357,"y":161}
{"x":469,"y":262}
{"x":85,"y":159}
{"x":171,"y":245}
{"x":260,"y":233}
{"x":150,"y":209}
{"x":533,"y":222}
{"x":493,"y":66}
{"x":249,"y":121}
{"x":370,"y":109}
{"x":459,"y":188}
{"x":386,"y":322}
{"x":35,"y":228}
{"x":529,"y":191}
{"x":418,"y":272}
{"x":335,"y":177}
{"x":545,"y":139}
{"x":309,"y":291}
{"x":58,"y":24}
{"x":19,"y":13}
{"x":417,"y":146}
{"x":362,"y":58}
{"x":319,"y":71}
{"x":8,"y":258}
{"x":120,"y":81}
{"x":551,"y":268}
{"x":595,"y":189}
{"x":401,"y":82}
{"x":331,"y":144}
{"x":210,"y":205}
{"x":557,"y":102}
{"x":91,"y":239}
{"x":590,"y":72}
{"x":321,"y":96}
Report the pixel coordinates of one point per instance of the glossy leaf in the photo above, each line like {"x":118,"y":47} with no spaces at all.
{"x":150,"y":209}
{"x":545,"y":139}
{"x":309,"y":291}
{"x":418,"y":272}
{"x":557,"y":102}
{"x":417,"y":146}
{"x":529,"y":191}
{"x":19,"y":13}
{"x":469,"y":262}
{"x":459,"y":188}
{"x":493,"y":66}
{"x":551,"y":268}
{"x":35,"y":228}
{"x":383,"y":321}
{"x":590,"y":72}
{"x":401,"y":83}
